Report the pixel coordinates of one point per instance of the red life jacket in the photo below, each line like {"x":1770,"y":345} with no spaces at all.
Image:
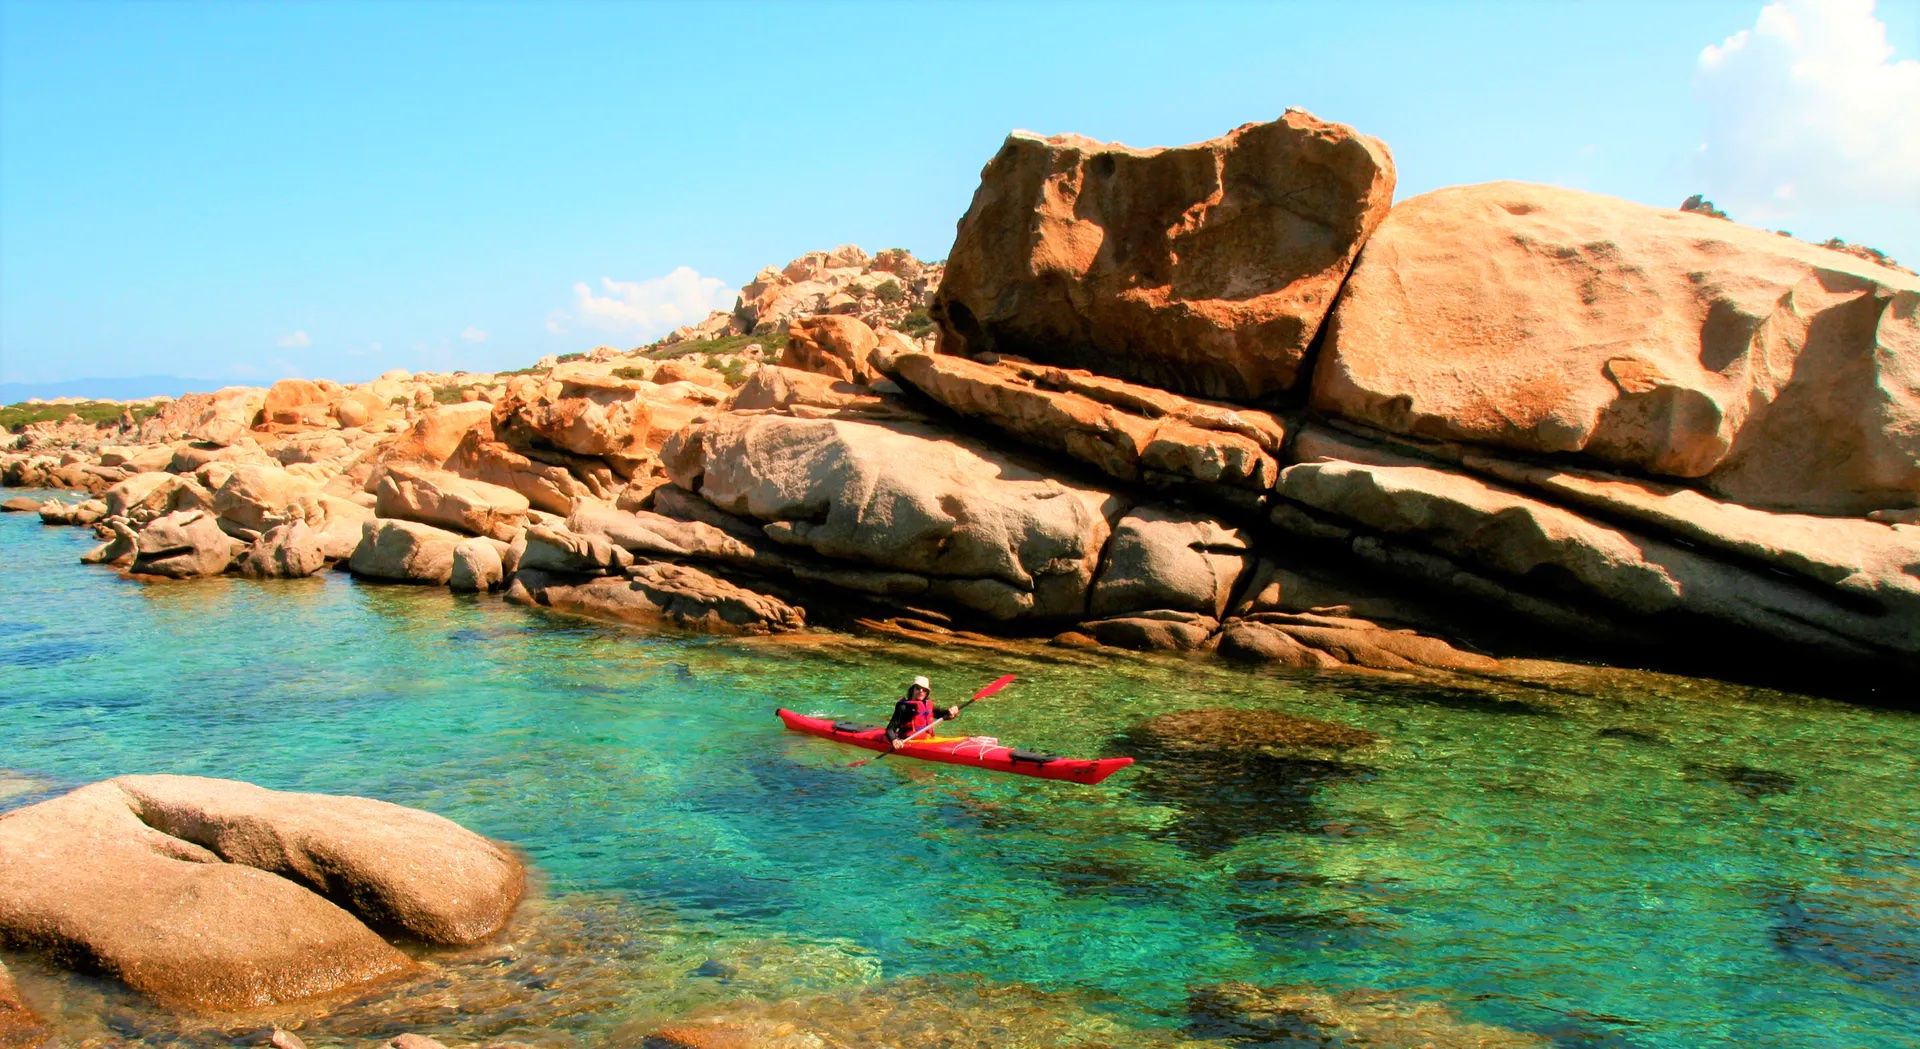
{"x":910,"y":715}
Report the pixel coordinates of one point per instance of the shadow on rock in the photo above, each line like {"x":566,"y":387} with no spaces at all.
{"x":1236,"y":773}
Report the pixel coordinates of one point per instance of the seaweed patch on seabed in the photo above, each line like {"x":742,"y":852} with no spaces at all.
{"x":1869,"y":933}
{"x":1224,"y":797}
{"x":1450,"y":697}
{"x":1747,"y":781}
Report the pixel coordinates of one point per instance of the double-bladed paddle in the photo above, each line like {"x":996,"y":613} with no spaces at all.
{"x":997,"y":685}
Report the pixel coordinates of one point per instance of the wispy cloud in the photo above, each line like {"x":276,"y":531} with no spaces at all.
{"x":472,"y":334}
{"x":644,"y":308}
{"x":293,"y":341}
{"x":1810,"y":106}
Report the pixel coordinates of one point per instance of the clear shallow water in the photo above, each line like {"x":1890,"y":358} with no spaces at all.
{"x":1601,"y":859}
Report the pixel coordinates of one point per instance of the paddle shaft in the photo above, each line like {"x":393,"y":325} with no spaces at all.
{"x":996,"y":686}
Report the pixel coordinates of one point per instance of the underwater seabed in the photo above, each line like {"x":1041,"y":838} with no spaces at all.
{"x":1574,"y":857}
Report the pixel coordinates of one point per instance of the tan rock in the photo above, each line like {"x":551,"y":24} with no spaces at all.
{"x":477,"y":565}
{"x":293,"y":550}
{"x":837,"y":347}
{"x":1160,"y":630}
{"x":586,"y":415}
{"x":259,"y":497}
{"x":301,"y":402}
{"x":400,"y":869}
{"x":1206,"y":268}
{"x":404,"y":551}
{"x":341,"y":524}
{"x":19,"y":1028}
{"x":1542,"y":320}
{"x":436,"y":434}
{"x":438,"y":497}
{"x":776,"y":388}
{"x":551,"y":487}
{"x":551,"y":549}
{"x":682,"y":369}
{"x":222,"y":417}
{"x":199,"y":935}
{"x":996,"y":537}
{"x":118,"y":551}
{"x":144,"y":496}
{"x":1357,"y":1017}
{"x":183,"y":545}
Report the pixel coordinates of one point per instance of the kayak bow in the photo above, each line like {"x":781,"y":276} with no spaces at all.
{"x":979,"y":751}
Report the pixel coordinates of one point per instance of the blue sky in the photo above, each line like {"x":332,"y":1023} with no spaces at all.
{"x":246,"y":191}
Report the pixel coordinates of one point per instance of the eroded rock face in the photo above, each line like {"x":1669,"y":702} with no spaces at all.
{"x":583,"y":414}
{"x":437,"y":497}
{"x":834,"y":346}
{"x":1161,"y":558}
{"x":657,"y":592}
{"x":1771,"y":372}
{"x":477,"y":565}
{"x":993,"y":536}
{"x":260,"y":497}
{"x":1206,"y":268}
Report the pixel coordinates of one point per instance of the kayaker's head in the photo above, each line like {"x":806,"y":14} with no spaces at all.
{"x":922,"y":686}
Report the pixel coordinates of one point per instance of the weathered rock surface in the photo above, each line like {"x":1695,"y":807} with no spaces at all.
{"x":589,"y":415}
{"x":260,"y":497}
{"x":1127,"y":432}
{"x":655,"y":592}
{"x":1205,"y":268}
{"x":837,"y":347}
{"x":438,"y":497}
{"x":783,"y":389}
{"x":183,"y":545}
{"x":20,"y":504}
{"x":293,"y":550}
{"x":552,"y":549}
{"x":993,"y":536}
{"x":199,"y":934}
{"x":404,"y":551}
{"x":1772,"y":372}
{"x":1161,"y":558}
{"x":1458,"y":527}
{"x":1158,"y":630}
{"x":119,"y":551}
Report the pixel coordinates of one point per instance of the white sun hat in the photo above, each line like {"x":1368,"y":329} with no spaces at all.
{"x":922,"y":682}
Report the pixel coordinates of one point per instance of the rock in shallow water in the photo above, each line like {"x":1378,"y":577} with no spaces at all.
{"x":19,"y":1028}
{"x":1308,"y":1016}
{"x":234,"y":884}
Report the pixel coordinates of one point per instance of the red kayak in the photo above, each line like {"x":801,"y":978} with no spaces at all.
{"x":980,"y":751}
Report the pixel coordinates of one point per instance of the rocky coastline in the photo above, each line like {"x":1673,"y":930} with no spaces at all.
{"x":1224,"y":398}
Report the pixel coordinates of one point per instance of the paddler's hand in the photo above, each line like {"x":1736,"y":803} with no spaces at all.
{"x":952,"y":712}
{"x":898,"y":743}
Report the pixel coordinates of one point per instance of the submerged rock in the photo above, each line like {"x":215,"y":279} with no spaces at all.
{"x":1205,"y":268}
{"x":1246,"y":1014}
{"x":19,"y":1028}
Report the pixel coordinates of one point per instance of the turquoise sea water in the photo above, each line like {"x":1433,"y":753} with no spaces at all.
{"x":1596,"y":858}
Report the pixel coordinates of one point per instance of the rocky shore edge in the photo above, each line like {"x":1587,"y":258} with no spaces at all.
{"x":1225,"y":398}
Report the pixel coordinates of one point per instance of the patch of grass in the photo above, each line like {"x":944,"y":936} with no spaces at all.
{"x":565,"y":357}
{"x":916,"y":323}
{"x":450,"y":393}
{"x":630,"y":373}
{"x":15,"y":416}
{"x":724,"y":344}
{"x":732,"y":369}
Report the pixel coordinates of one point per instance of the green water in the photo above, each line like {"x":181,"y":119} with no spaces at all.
{"x":1604,"y":859}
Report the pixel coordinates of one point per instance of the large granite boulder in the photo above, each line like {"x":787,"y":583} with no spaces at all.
{"x":1551,"y":321}
{"x":183,"y":545}
{"x":1162,"y":558}
{"x":198,"y":934}
{"x":404,"y":551}
{"x":151,"y":494}
{"x":437,"y":497}
{"x":222,"y":417}
{"x":1205,"y":268}
{"x":478,"y":565}
{"x":436,"y":433}
{"x":990,"y":534}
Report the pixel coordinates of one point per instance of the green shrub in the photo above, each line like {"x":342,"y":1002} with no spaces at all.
{"x":723,"y":344}
{"x":916,"y":323}
{"x":889,"y":292}
{"x":15,"y":416}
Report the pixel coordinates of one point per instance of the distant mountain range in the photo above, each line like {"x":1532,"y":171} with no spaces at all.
{"x":115,"y":389}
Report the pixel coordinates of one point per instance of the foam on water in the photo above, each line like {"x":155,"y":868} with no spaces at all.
{"x":1597,"y":858}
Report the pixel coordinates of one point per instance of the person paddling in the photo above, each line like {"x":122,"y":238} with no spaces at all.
{"x":915,"y":711}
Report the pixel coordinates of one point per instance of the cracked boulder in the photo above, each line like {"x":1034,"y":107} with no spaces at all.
{"x":183,"y":545}
{"x":1162,"y":558}
{"x":447,"y":500}
{"x":247,"y":897}
{"x":1205,"y":268}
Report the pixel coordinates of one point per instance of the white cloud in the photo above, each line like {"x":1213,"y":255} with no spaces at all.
{"x":645,"y":308}
{"x":1809,"y":107}
{"x":293,"y":341}
{"x":472,"y":334}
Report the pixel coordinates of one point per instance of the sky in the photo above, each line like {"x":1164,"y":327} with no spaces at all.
{"x":242,"y":192}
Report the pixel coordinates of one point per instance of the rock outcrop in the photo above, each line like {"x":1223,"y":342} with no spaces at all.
{"x":404,"y":552}
{"x":447,"y":500}
{"x":293,"y":550}
{"x":837,"y":347}
{"x":1549,"y":321}
{"x":184,"y":545}
{"x":1205,"y":269}
{"x":988,"y":534}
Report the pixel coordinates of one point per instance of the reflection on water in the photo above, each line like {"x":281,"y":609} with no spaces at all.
{"x":1579,"y":857}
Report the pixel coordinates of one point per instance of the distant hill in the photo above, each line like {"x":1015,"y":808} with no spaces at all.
{"x":115,"y":389}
